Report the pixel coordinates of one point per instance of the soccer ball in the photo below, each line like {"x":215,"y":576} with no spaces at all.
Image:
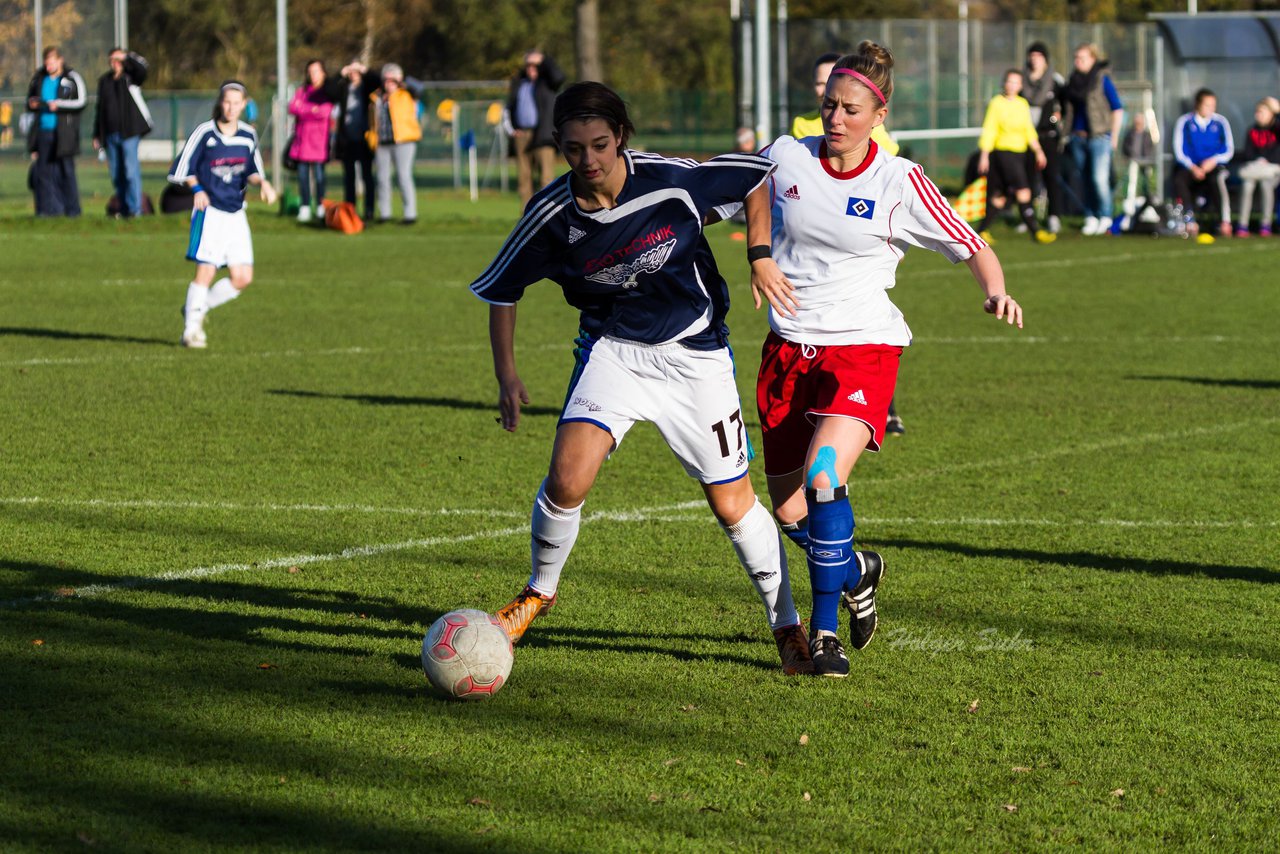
{"x":467,"y":654}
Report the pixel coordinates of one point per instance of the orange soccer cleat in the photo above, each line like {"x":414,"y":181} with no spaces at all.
{"x":519,"y":613}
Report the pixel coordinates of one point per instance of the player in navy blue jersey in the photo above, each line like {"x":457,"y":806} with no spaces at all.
{"x":621,"y":234}
{"x":220,"y":159}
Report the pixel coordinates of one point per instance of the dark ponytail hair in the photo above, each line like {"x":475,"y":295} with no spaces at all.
{"x":590,"y":100}
{"x":217,"y":104}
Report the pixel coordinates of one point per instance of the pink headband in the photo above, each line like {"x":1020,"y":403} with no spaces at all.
{"x":863,"y":79}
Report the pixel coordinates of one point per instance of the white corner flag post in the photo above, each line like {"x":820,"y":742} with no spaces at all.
{"x":278,"y":107}
{"x":473,"y":178}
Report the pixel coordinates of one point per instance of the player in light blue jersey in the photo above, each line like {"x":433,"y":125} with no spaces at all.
{"x":220,"y":159}
{"x":621,"y":234}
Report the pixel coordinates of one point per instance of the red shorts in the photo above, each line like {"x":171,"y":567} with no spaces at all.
{"x":799,"y":382}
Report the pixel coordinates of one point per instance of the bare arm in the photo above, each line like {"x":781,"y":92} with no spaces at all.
{"x":986,"y":269}
{"x":511,"y":391}
{"x":267,"y":191}
{"x":766,"y":278}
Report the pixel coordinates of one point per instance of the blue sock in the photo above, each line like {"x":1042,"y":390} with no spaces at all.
{"x":797,"y":532}
{"x":830,"y":553}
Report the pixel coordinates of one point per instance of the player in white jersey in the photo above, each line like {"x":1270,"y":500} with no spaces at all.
{"x":824,"y":255}
{"x":219,"y":159}
{"x":622,"y":234}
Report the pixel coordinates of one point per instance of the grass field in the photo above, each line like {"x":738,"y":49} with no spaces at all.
{"x":216,"y":567}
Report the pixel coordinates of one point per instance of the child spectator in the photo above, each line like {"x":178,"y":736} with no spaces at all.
{"x":1261,"y":167}
{"x":1139,"y":147}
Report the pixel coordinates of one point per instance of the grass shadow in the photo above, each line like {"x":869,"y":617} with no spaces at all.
{"x":1225,"y":382}
{"x":1108,"y":563}
{"x":405,"y":400}
{"x":69,"y":335}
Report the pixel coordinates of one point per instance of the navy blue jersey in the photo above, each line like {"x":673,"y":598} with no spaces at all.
{"x":221,"y":163}
{"x":641,"y":270}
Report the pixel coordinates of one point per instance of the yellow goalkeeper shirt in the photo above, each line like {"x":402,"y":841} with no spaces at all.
{"x":810,"y":124}
{"x":1007,"y":125}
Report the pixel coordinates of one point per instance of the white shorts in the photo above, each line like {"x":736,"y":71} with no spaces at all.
{"x":689,"y":395}
{"x":219,"y":238}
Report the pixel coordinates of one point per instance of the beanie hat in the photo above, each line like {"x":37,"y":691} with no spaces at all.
{"x":1040,"y":48}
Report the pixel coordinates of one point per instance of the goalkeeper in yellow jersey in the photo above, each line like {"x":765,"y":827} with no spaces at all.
{"x":1007,"y":133}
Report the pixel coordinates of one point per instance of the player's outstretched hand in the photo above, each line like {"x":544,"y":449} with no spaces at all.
{"x":1005,"y":308}
{"x":268,"y":193}
{"x":511,"y":395}
{"x":767,"y":281}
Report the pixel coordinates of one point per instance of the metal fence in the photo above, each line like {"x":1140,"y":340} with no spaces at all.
{"x":945,"y":73}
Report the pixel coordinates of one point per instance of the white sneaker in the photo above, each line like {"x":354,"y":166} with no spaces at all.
{"x":1090,"y":226}
{"x":194,"y":339}
{"x":1104,"y":225}
{"x":304,"y":213}
{"x":1055,"y":225}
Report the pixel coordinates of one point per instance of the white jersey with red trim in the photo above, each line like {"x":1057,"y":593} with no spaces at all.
{"x":838,"y":237}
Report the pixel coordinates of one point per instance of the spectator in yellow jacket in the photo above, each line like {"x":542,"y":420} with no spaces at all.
{"x":393,"y":135}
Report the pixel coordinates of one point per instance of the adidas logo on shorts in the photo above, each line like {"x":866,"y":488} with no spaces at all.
{"x":858,"y":397}
{"x":793,"y":193}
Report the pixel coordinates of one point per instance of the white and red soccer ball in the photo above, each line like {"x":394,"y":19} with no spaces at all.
{"x":467,"y":654}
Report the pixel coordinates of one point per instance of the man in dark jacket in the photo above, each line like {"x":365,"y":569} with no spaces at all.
{"x":119,"y":123}
{"x":350,"y":90}
{"x":56,"y":96}
{"x":530,"y":105}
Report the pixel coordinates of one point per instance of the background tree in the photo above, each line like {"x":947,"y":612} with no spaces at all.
{"x":587,"y":27}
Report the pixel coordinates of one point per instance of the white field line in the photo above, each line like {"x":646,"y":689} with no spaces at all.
{"x":652,"y":515}
{"x":1100,"y":259}
{"x":146,"y":504}
{"x":1015,"y":338}
{"x":96,"y":590}
{"x":275,"y":354}
{"x":655,"y":514}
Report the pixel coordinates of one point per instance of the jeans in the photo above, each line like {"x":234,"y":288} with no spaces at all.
{"x":1092,"y":159}
{"x":305,"y":173}
{"x":126,"y":173}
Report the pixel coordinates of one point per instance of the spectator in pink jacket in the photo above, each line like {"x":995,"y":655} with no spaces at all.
{"x":311,"y":109}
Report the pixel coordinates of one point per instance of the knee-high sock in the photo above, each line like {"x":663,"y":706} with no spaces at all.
{"x":797,"y":532}
{"x":1028,"y":212}
{"x":831,"y":559}
{"x":197,"y":304}
{"x":222,"y":291}
{"x":554,"y":530}
{"x":759,"y":549}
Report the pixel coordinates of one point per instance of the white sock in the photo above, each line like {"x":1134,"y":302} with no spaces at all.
{"x":222,"y":291}
{"x":759,"y":548}
{"x":554,"y":530}
{"x":197,"y":305}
